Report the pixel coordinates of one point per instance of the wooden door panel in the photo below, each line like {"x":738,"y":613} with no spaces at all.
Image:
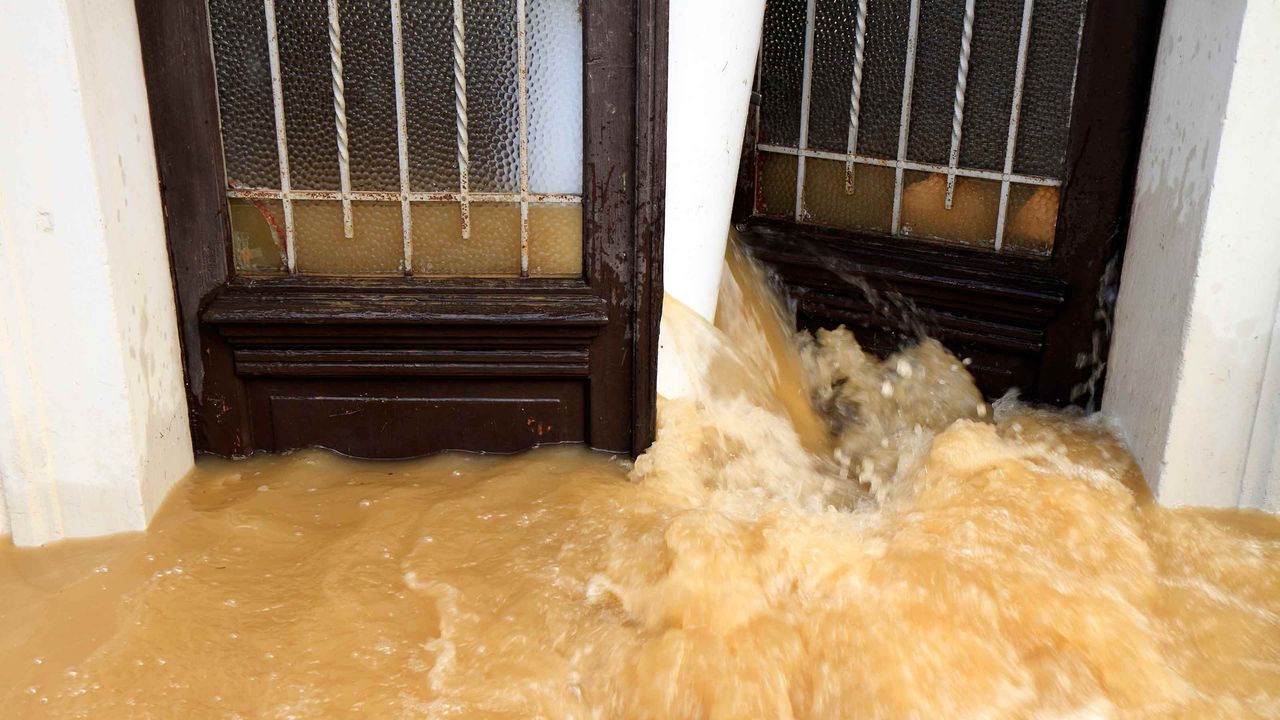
{"x":398,"y":418}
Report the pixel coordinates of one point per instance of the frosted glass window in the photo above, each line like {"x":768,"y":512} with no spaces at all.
{"x":918,"y":118}
{"x":402,"y":137}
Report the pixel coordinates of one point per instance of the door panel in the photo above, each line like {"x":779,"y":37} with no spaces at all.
{"x":381,"y":298}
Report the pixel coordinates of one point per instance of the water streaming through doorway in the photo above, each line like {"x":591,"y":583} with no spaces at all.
{"x":815,"y":534}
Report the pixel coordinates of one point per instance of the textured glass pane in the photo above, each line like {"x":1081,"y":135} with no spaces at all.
{"x":429,"y":98}
{"x":971,"y":219}
{"x":376,"y":249}
{"x":934,"y":88}
{"x":493,"y":248}
{"x":302,"y":27}
{"x":369,"y":86}
{"x":869,"y":207}
{"x":245,"y":102}
{"x":988,"y":101}
{"x":886,"y":59}
{"x":781,"y":72}
{"x":555,"y":240}
{"x":1047,"y":87}
{"x":833,"y":54}
{"x":777,"y":185}
{"x":1033,"y":219}
{"x":257,"y":235}
{"x":555,"y":96}
{"x":492,"y":112}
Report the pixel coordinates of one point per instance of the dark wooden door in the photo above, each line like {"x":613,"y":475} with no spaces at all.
{"x":976,"y":158}
{"x":367,"y":254}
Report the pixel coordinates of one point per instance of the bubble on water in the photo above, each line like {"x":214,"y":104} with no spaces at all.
{"x":365,"y":503}
{"x":263,"y":488}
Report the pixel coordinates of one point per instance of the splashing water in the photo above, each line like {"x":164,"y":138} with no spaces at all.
{"x":815,"y":534}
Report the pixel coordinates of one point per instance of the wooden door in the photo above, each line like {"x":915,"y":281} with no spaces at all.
{"x":976,"y":157}
{"x":402,"y":226}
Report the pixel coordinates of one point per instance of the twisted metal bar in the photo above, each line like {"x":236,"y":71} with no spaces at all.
{"x":460,"y":107}
{"x":962,"y":82}
{"x":340,"y":117}
{"x":855,"y":97}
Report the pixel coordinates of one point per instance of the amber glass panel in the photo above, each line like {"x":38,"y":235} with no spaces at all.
{"x":1033,"y":218}
{"x":555,"y":240}
{"x":322,"y":249}
{"x":257,"y":235}
{"x":777,"y":185}
{"x":971,"y":219}
{"x":827,"y":202}
{"x":492,"y":250}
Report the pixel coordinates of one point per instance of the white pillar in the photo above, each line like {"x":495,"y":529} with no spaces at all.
{"x":93,"y":418}
{"x":713,"y":45}
{"x":1194,"y":379}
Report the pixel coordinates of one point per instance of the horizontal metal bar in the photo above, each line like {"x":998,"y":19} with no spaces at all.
{"x":377,"y":195}
{"x":911,"y":165}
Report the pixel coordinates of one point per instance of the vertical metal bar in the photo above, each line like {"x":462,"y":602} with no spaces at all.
{"x":806,"y":87}
{"x":1015,"y":114}
{"x":855,"y":93}
{"x":962,"y":83}
{"x":904,"y":123}
{"x":460,"y":108}
{"x":402,"y":134}
{"x":522,"y":92}
{"x":340,"y":116}
{"x":282,"y":145}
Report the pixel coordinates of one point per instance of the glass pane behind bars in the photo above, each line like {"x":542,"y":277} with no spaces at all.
{"x":994,"y":184}
{"x":362,"y":173}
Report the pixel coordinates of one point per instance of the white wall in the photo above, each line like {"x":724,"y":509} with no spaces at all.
{"x":93,"y":418}
{"x":1194,"y":379}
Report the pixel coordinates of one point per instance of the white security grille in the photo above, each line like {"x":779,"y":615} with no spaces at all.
{"x":236,"y":25}
{"x":1003,"y":48}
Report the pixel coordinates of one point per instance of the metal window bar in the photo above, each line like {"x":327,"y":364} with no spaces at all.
{"x":904,"y":123}
{"x":522,"y":92}
{"x":252,"y":193}
{"x":282,"y":143}
{"x":1015,"y":114}
{"x":910,"y":165}
{"x":460,"y":105}
{"x":402,"y":134}
{"x":806,"y":86}
{"x":855,"y":93}
{"x":962,"y":83}
{"x":340,"y":117}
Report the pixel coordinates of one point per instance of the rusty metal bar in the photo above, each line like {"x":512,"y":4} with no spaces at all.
{"x":904,"y":123}
{"x":402,"y":134}
{"x":282,"y":144}
{"x":913,"y":165}
{"x":1015,"y":114}
{"x":806,"y":89}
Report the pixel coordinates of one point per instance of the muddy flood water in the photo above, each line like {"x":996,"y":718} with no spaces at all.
{"x":815,"y":534}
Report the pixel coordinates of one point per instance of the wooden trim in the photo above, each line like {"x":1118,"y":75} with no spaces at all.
{"x":651,"y":166}
{"x":1109,"y":112}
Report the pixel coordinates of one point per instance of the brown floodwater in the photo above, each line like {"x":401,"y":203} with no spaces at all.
{"x":816,"y":534}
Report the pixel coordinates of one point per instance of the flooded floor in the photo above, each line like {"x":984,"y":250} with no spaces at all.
{"x":817,"y":534}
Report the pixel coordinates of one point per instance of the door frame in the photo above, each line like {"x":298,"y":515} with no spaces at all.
{"x":525,"y":328}
{"x":1024,"y":320}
